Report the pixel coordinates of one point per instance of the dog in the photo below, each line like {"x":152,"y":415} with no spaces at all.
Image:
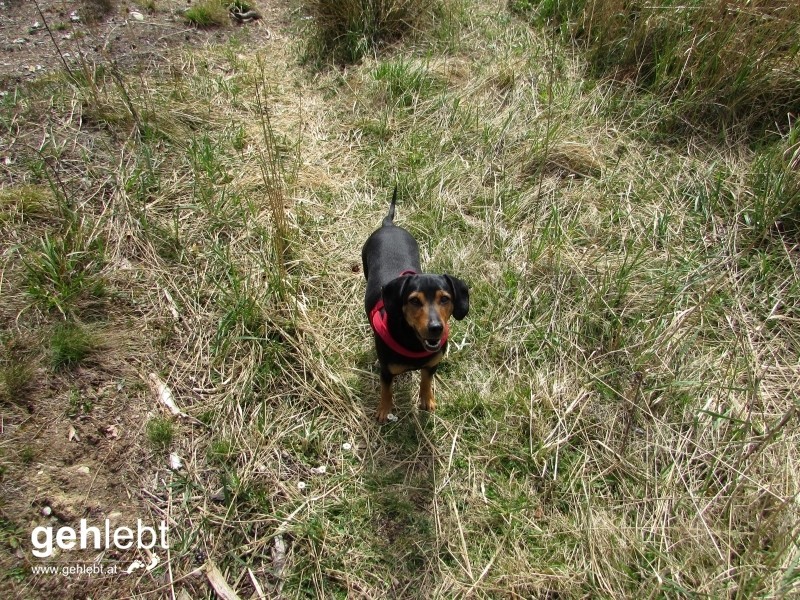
{"x":407,"y":309}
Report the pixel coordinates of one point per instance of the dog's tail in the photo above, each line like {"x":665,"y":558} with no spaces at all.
{"x":388,"y":220}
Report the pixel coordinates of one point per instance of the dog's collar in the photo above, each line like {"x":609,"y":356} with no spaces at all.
{"x":380,"y":325}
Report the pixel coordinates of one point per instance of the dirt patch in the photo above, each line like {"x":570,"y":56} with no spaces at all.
{"x":73,"y":447}
{"x":71,"y":450}
{"x":131,"y":34}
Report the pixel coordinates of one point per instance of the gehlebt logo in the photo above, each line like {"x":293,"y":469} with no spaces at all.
{"x":46,"y":539}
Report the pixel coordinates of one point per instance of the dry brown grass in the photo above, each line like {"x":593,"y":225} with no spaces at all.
{"x":617,"y":416}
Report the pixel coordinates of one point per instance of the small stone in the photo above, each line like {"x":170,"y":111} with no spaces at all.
{"x":83,"y":470}
{"x":175,"y":462}
{"x":137,"y":15}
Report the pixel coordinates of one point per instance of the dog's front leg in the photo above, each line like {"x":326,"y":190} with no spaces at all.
{"x":426,"y":399}
{"x":387,"y":403}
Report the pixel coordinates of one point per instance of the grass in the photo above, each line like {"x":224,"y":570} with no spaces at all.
{"x":70,"y":344}
{"x":16,"y":371}
{"x":617,"y":414}
{"x":711,"y":64}
{"x":92,"y":11}
{"x":214,"y":13}
{"x":63,"y":272}
{"x":160,"y":432}
{"x":347,"y":31}
{"x":207,"y":13}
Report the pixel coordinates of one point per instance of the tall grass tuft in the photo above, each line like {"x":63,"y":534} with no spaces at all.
{"x":16,"y":371}
{"x":715,"y":63}
{"x":63,"y":273}
{"x":70,"y":344}
{"x":207,"y":13}
{"x":347,"y":30}
{"x":94,"y":11}
{"x":774,"y":198}
{"x":272,"y":172}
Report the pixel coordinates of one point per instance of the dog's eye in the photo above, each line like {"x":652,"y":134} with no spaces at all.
{"x":444,"y":300}
{"x":415,"y":302}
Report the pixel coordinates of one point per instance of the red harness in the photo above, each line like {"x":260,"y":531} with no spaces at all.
{"x":380,"y":325}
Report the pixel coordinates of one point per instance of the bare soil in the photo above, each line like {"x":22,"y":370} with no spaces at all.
{"x":73,"y":445}
{"x":130,"y":35}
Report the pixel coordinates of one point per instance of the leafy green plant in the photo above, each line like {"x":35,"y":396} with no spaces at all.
{"x":11,"y":535}
{"x":77,"y":404}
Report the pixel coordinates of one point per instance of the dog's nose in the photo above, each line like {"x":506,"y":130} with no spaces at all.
{"x":435,"y":328}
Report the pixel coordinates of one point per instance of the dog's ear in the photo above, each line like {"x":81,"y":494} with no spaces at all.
{"x":393,"y":292}
{"x":460,"y":296}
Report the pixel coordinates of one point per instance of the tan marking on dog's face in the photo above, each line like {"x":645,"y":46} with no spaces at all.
{"x":444,"y":305}
{"x":415,"y":312}
{"x":417,"y":309}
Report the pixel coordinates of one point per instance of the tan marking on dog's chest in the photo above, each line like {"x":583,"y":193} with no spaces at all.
{"x":397,"y":369}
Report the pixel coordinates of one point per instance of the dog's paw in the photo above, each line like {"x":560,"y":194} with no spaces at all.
{"x":428,"y":403}
{"x":384,"y":413}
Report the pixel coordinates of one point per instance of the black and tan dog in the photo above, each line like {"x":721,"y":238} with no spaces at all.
{"x":408,"y":310}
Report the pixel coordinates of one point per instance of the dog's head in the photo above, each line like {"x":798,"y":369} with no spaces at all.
{"x":427,"y":302}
